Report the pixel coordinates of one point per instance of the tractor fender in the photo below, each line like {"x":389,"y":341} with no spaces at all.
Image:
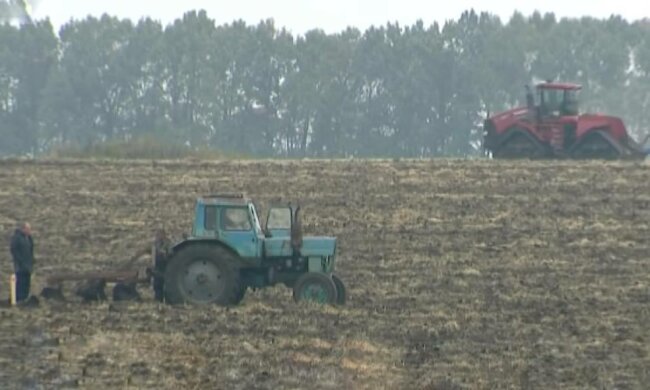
{"x":589,"y":123}
{"x":203,"y":241}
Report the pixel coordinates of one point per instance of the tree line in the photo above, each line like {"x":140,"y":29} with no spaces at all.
{"x":258,"y":90}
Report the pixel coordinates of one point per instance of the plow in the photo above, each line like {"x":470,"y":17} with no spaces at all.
{"x":227,"y":253}
{"x":91,"y":285}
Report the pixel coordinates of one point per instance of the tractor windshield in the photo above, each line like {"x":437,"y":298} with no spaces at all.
{"x":551,"y":100}
{"x":235,"y":218}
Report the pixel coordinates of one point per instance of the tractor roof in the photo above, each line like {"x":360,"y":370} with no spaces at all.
{"x":562,"y":86}
{"x":225,"y":198}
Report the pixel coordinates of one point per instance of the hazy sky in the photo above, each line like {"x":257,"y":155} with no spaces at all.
{"x":331,"y":15}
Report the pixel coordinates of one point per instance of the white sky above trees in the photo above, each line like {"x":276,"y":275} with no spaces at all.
{"x":299,"y":16}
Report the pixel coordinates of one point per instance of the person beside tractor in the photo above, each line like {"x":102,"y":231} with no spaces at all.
{"x":22,"y":253}
{"x":159,"y":250}
{"x":162,"y":248}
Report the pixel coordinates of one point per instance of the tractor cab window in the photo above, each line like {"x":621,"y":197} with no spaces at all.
{"x":210,"y":218}
{"x":279,"y":218}
{"x":551,"y":101}
{"x":235,"y":218}
{"x":570,"y":103}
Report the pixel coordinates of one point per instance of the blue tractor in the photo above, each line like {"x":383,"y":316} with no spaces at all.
{"x":229,"y":252}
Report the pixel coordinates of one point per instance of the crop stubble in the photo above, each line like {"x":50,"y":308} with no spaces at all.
{"x":461,"y":274}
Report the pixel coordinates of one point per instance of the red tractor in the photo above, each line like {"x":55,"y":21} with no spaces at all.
{"x":552,"y":127}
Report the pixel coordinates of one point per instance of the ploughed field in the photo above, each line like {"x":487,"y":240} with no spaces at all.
{"x":460,"y":274}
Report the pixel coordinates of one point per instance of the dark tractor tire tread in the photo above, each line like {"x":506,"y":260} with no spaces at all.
{"x":316,"y":277}
{"x":224,"y":259}
{"x":610,"y":149}
{"x":341,"y":291}
{"x":507,"y":147}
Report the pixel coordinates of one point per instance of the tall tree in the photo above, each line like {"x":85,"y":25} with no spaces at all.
{"x":27,"y":54}
{"x":391,"y":90}
{"x":92,"y":81}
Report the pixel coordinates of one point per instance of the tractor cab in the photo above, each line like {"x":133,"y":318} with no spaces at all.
{"x":231,"y":218}
{"x":556,"y":99}
{"x":233,"y":221}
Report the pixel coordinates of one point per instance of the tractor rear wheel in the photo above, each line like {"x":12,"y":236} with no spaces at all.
{"x":598,"y":144}
{"x":315,"y":287}
{"x":203,"y":274}
{"x":520,"y":144}
{"x":341,"y":292}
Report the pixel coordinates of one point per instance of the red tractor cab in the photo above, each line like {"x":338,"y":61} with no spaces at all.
{"x":551,"y":126}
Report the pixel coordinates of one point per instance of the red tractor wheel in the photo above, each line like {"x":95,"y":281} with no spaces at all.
{"x":519,"y":144}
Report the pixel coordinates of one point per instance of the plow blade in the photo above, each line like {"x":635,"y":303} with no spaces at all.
{"x":128,"y":276}
{"x":93,"y":283}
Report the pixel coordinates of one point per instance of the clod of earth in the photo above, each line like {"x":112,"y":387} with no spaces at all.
{"x":125,"y":292}
{"x":54,"y":293}
{"x":92,"y":290}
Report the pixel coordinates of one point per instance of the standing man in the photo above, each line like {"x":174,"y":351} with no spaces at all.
{"x":161,"y":250}
{"x":22,"y":252}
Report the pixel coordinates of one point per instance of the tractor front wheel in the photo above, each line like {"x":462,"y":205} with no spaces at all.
{"x":341,"y":292}
{"x":315,"y":287}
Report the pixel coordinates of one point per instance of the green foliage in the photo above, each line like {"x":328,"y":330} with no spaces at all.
{"x":389,"y":91}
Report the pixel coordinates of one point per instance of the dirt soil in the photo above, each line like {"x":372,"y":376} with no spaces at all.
{"x":461,"y":275}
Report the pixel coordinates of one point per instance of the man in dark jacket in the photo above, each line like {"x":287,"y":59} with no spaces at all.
{"x":22,"y":251}
{"x":162,"y":249}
